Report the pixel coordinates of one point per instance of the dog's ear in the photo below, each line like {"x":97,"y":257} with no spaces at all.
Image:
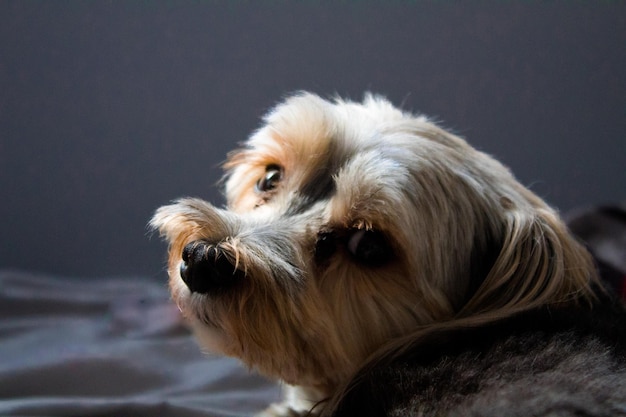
{"x":539,"y":263}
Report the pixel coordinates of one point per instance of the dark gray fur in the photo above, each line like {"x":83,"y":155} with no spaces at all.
{"x":548,"y":362}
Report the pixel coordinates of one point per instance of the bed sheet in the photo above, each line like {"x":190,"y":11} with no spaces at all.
{"x":110,"y":347}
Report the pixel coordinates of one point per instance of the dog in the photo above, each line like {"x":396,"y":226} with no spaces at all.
{"x":379,"y":265}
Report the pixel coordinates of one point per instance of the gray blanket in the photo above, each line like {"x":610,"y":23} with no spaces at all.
{"x":110,"y":347}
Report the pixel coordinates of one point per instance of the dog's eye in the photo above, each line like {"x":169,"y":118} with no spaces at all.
{"x":269,"y":181}
{"x":369,"y":247}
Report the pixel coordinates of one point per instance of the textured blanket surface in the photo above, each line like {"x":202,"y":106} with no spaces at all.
{"x":110,"y":347}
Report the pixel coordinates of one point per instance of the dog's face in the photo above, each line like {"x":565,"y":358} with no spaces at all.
{"x":349,"y":225}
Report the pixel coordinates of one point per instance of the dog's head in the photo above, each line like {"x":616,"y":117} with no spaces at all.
{"x":351,"y":224}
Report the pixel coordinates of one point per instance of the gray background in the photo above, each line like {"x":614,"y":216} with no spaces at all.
{"x":110,"y":109}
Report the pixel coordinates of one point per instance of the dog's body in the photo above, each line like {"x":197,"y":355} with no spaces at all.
{"x":379,"y":265}
{"x":561,"y":362}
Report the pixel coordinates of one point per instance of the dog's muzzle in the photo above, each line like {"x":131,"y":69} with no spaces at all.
{"x":206,"y":268}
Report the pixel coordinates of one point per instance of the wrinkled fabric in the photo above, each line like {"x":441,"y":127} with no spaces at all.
{"x":603,"y":230}
{"x":110,"y":347}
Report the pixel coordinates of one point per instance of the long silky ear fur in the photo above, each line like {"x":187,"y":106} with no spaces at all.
{"x":540,"y":264}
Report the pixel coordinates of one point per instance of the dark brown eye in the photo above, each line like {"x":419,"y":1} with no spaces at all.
{"x":269,"y":181}
{"x":369,"y":247}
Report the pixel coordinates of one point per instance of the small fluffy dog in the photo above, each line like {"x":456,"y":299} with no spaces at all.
{"x":379,"y":265}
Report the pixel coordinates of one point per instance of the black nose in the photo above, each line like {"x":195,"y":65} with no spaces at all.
{"x":206,"y":268}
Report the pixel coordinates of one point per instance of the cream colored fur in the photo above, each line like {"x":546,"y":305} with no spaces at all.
{"x":438,"y":201}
